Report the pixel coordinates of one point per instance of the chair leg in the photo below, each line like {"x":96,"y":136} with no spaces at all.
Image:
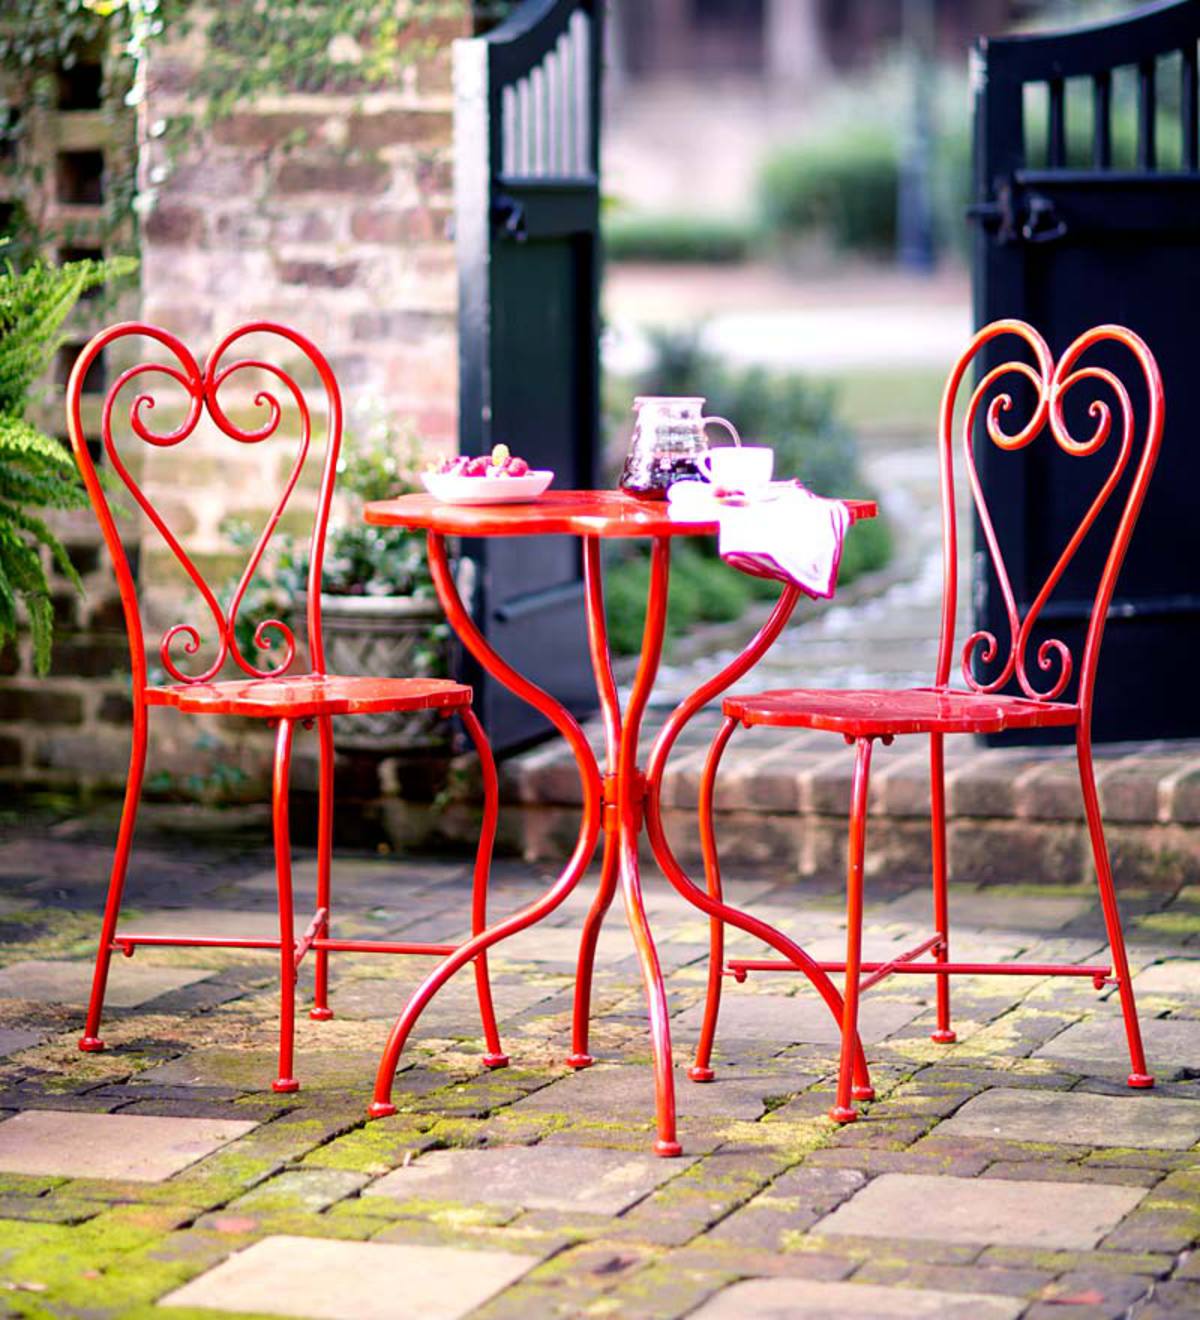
{"x":90,"y":1041}
{"x":1138,"y":1076}
{"x":320,"y":1011}
{"x":701,"y":1070}
{"x":843,"y":1112}
{"x":494,"y":1056}
{"x":944,"y":1035}
{"x":287,"y":937}
{"x":581,"y":1017}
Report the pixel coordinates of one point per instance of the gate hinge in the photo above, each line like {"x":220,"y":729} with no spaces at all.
{"x":508,"y":213}
{"x":1029,"y":218}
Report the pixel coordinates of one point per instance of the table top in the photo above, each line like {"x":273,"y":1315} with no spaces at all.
{"x":605,"y":513}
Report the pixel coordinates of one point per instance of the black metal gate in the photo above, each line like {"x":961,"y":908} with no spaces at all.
{"x":1090,"y":212}
{"x":527,"y":202}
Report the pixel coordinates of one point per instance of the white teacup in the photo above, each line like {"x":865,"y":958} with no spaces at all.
{"x":746,"y":468}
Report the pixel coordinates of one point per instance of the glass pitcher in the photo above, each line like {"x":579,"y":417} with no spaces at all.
{"x":668,"y":442}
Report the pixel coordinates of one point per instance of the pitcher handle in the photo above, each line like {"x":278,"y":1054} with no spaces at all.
{"x":721,"y":421}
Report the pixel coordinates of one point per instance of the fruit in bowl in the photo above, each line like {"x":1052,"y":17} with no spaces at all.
{"x":496,"y":478}
{"x":499,"y":463}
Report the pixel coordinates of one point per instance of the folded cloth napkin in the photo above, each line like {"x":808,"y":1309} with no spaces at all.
{"x":789,"y":534}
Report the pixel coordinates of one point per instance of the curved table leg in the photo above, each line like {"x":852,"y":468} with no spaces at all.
{"x":610,"y":708}
{"x":495,"y":1056}
{"x":714,"y":907}
{"x":630,"y":795}
{"x":589,"y":829}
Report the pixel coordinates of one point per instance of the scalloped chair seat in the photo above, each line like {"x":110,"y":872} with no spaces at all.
{"x":877,"y":712}
{"x":308,"y":695}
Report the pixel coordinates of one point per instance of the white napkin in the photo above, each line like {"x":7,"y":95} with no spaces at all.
{"x":790,"y":535}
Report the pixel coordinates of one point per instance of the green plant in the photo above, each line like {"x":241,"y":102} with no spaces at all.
{"x":795,"y":416}
{"x":691,"y":238}
{"x":800,"y":420}
{"x":842,"y":185}
{"x":36,"y":472}
{"x":359,"y":560}
{"x":841,"y":182}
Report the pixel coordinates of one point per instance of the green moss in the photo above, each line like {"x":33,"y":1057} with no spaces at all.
{"x":1171,"y":923}
{"x":376,"y":1147}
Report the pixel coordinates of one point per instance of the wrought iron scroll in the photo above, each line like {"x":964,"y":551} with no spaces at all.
{"x":202,"y":390}
{"x":1051,"y":384}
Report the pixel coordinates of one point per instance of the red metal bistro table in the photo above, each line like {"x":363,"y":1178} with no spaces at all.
{"x":624,"y":799}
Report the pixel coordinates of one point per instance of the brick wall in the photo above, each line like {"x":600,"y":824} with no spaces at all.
{"x":329,"y":212}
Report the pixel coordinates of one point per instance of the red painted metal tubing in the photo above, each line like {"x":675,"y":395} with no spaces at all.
{"x":656,"y":768}
{"x":589,"y":829}
{"x":610,"y":708}
{"x":320,"y":1011}
{"x":878,"y":974}
{"x":382,"y":946}
{"x":122,"y":942}
{"x":701,"y":1069}
{"x":842,"y":1111}
{"x":494,"y":1056}
{"x":738,"y":966}
{"x":630,"y":793}
{"x":285,"y":1081}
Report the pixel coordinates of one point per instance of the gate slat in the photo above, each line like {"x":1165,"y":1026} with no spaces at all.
{"x":527,"y":209}
{"x":1187,"y":108}
{"x":1071,"y":244}
{"x":1056,"y":136}
{"x":1102,"y":121}
{"x":1147,"y":110}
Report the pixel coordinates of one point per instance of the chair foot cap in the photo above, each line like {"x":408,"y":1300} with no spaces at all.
{"x":667,"y":1150}
{"x":841,"y":1114}
{"x":943,"y":1037}
{"x":1141,"y":1081}
{"x":320,"y":1014}
{"x":863,"y":1092}
{"x":698,"y":1074}
{"x":285,"y":1085}
{"x":495,"y":1060}
{"x":580,"y":1061}
{"x":91,"y":1044}
{"x":380,"y":1109}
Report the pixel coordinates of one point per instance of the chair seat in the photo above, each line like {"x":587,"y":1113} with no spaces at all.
{"x":301,"y":696}
{"x":879,"y":711}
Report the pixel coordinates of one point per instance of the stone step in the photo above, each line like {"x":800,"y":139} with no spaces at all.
{"x":1014,"y":813}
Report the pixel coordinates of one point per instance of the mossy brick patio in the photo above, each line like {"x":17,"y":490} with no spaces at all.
{"x":1009,"y":1175}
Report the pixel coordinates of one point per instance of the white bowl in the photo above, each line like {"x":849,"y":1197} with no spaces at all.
{"x":453,"y":489}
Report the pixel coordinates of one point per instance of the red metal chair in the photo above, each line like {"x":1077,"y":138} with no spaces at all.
{"x":980,"y":707}
{"x":276,"y":694}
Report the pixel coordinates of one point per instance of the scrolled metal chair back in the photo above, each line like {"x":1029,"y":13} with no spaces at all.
{"x":987,"y":663}
{"x":282,"y":396}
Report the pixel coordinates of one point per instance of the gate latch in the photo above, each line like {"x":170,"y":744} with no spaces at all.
{"x":1043,"y":224}
{"x":1016,"y":217}
{"x":510,"y":215}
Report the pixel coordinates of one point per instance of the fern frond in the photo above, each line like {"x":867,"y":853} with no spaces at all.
{"x":35,"y":527}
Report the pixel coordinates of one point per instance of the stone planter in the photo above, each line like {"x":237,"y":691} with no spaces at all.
{"x":385,"y":637}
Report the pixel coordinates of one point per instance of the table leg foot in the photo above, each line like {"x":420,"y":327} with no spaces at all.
{"x":578,"y":1061}
{"x":863,"y":1092}
{"x":91,"y":1044}
{"x":380,"y":1109}
{"x":843,"y":1115}
{"x":495,"y":1060}
{"x":667,"y":1150}
{"x":943,"y":1036}
{"x":701,"y":1074}
{"x":320,"y":1014}
{"x":285,"y":1085}
{"x":1140,"y":1081}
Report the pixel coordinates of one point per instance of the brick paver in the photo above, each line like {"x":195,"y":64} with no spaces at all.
{"x":992,"y":1178}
